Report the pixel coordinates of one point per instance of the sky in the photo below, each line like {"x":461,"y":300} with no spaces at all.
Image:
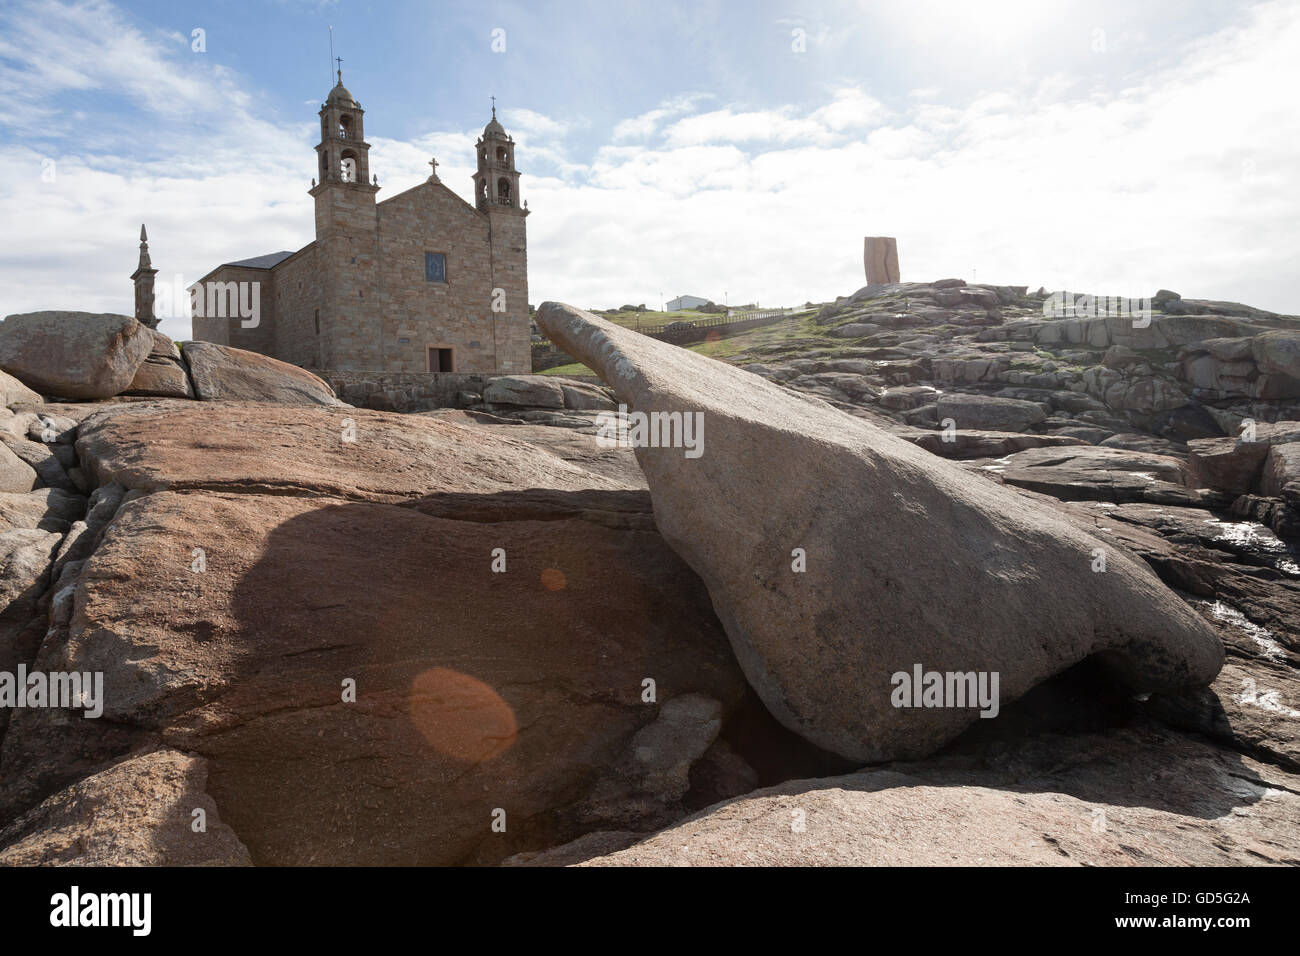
{"x":738,"y":151}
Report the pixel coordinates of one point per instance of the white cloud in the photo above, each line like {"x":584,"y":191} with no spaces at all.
{"x":534,"y":123}
{"x":645,"y":125}
{"x":850,"y":110}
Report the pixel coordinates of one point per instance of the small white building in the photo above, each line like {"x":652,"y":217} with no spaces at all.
{"x":683,"y":302}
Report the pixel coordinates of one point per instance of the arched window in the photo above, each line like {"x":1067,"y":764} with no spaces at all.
{"x":348,"y":168}
{"x":503,"y":191}
{"x":501,"y":154}
{"x":345,"y":127}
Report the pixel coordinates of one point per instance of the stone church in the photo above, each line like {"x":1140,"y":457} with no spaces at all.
{"x":421,"y":282}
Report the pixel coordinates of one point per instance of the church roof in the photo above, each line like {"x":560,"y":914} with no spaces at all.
{"x":270,"y":260}
{"x":342,"y":96}
{"x":493,"y":128}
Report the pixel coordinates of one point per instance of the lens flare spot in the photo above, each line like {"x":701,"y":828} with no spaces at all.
{"x":461,"y":716}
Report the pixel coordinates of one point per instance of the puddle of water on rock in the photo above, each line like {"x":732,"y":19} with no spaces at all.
{"x":1248,"y":535}
{"x":999,"y":465}
{"x":1262,"y":637}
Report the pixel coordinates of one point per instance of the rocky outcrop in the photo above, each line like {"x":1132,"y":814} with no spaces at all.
{"x":1261,"y":469}
{"x":348,"y":711}
{"x":74,"y":354}
{"x":537,"y":391}
{"x":15,"y":473}
{"x":1264,"y":366}
{"x":43,"y":459}
{"x":13,"y":391}
{"x":1236,"y":465}
{"x":1278,"y":353}
{"x":230,"y":374}
{"x":163,"y":372}
{"x":1187,"y":373}
{"x":822,"y":646}
{"x":1100,"y":474}
{"x":338,"y":452}
{"x":988,"y":412}
{"x":1136,"y":798}
{"x":150,"y":810}
{"x":335,"y":636}
{"x":980,"y":444}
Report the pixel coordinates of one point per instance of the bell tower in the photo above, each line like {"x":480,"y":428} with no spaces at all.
{"x":496,"y":196}
{"x":343,"y":160}
{"x":346,"y":253}
{"x":496,"y":184}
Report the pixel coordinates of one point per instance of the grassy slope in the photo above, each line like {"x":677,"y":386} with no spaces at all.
{"x":793,"y":334}
{"x":652,"y":319}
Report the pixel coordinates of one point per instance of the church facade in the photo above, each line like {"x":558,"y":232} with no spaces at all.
{"x":420,"y":282}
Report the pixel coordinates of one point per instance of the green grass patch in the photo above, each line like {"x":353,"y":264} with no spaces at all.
{"x":791,"y":337}
{"x":576,"y":368}
{"x":650,"y":320}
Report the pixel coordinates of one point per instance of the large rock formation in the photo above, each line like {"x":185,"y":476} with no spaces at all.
{"x":222,"y":372}
{"x":232,"y":567}
{"x":539,"y":391}
{"x":911,"y":561}
{"x":74,"y":354}
{"x":163,"y":372}
{"x":376,"y":637}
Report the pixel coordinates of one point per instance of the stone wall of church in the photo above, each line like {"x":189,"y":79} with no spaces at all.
{"x":510,"y":256}
{"x":298,"y":304}
{"x":230,"y":329}
{"x":456,"y":314}
{"x":347,"y":259}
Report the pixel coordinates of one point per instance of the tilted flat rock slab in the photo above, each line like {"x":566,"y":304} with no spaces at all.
{"x":910,"y":558}
{"x":979,"y":444}
{"x":222,"y":372}
{"x":1093,"y":473}
{"x":349,"y":452}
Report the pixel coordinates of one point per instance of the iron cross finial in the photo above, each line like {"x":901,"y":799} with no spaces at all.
{"x":339,"y":61}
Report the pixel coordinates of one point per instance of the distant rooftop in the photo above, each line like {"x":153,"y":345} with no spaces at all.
{"x":262,"y":262}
